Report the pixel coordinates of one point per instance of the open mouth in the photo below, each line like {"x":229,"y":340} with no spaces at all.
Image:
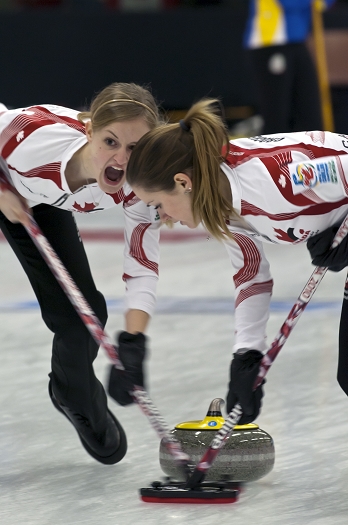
{"x":113,"y":176}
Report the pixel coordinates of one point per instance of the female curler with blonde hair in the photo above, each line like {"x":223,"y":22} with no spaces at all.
{"x":55,"y":162}
{"x":121,"y":101}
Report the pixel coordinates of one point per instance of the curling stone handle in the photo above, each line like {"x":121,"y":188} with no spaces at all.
{"x":215,"y":407}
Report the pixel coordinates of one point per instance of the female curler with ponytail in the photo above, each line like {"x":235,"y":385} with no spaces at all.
{"x":193,"y":146}
{"x":284,"y":188}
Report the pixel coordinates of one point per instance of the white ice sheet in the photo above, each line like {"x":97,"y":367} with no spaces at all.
{"x":46,"y":478}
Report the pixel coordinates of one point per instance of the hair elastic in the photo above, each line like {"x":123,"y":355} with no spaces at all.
{"x":184,"y":126}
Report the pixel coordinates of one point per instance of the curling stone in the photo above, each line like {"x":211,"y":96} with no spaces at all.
{"x":247,"y":455}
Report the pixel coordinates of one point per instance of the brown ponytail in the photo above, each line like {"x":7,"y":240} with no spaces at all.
{"x":194,"y":146}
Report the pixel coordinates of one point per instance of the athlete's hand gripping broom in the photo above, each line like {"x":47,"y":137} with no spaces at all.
{"x":93,"y":324}
{"x":218,"y":442}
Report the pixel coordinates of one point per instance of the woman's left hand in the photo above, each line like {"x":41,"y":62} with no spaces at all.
{"x":319,"y":246}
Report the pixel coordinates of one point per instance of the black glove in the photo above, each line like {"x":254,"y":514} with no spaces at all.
{"x":243,"y":374}
{"x":319,"y":247}
{"x":131,"y":351}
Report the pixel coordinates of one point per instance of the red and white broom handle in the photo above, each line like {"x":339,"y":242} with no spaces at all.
{"x":93,"y":324}
{"x":233,"y":417}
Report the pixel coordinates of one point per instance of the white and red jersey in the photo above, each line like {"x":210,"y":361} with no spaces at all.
{"x":285,"y":188}
{"x":37,"y":142}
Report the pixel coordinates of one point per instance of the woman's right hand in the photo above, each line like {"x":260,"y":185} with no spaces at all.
{"x":14,"y":207}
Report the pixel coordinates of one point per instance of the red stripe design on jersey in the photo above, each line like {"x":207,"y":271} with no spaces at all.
{"x":317,"y":209}
{"x":23,"y":125}
{"x":47,"y":171}
{"x":129,"y":197}
{"x":130,"y":200}
{"x":276,"y":161}
{"x":254,"y":289}
{"x":136,"y":249}
{"x":238,"y":155}
{"x":252,"y":259}
{"x":316,"y":136}
{"x":342,"y":176}
{"x":118,"y":196}
{"x":277,"y":167}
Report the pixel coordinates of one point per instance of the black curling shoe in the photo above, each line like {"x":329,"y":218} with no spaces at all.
{"x":108,"y":447}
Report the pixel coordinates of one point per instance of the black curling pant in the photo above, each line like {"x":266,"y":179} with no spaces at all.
{"x":289,"y":100}
{"x":74,"y":349}
{"x":342,"y":372}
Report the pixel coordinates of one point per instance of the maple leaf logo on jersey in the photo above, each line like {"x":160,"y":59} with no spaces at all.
{"x":316,"y":136}
{"x":20,"y":136}
{"x":282,"y":181}
{"x":89,"y":206}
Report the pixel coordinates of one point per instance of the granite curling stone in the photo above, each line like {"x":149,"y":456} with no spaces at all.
{"x":247,"y":455}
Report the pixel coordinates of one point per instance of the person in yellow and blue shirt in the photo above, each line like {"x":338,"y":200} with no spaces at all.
{"x":285,"y":75}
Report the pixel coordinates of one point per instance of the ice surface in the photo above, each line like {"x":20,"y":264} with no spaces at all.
{"x":46,"y":477}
